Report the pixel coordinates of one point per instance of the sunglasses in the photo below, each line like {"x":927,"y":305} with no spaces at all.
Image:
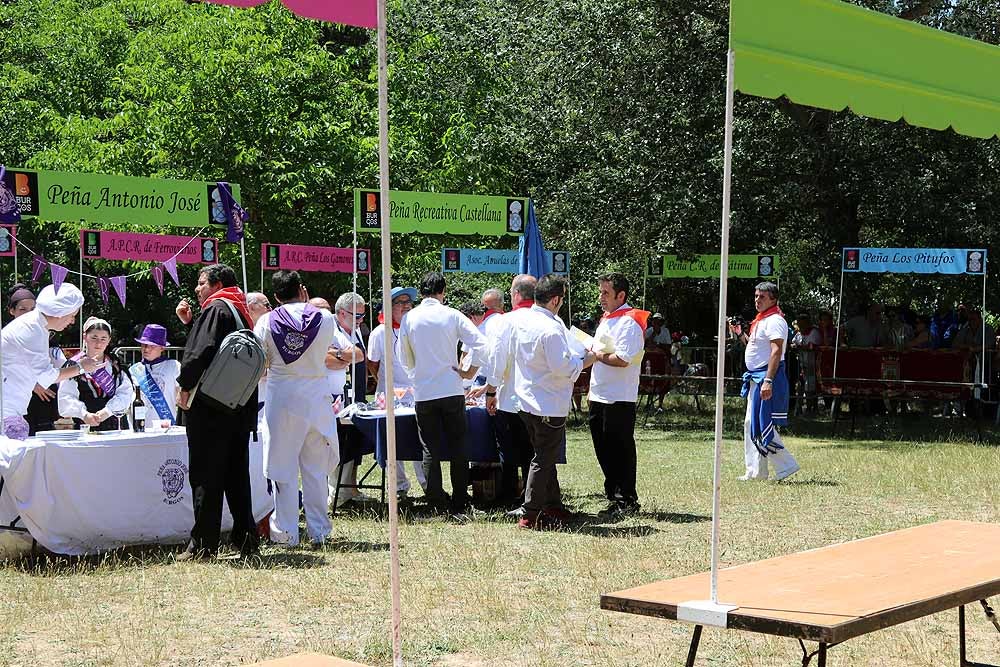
{"x":402,"y":302}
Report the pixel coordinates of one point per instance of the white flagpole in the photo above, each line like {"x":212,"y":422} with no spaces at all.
{"x":387,"y":355}
{"x":720,"y":364}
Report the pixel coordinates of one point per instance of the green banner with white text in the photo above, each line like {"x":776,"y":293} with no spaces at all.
{"x":109,"y":199}
{"x":707,"y":266}
{"x":439,"y":213}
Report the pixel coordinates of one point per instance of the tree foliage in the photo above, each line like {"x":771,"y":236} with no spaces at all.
{"x":609,"y":114}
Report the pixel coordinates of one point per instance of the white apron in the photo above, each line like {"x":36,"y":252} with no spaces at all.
{"x":297,"y":400}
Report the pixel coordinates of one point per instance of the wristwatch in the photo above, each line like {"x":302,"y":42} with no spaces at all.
{"x":491,"y":394}
{"x":767,"y":381}
{"x":339,"y":355}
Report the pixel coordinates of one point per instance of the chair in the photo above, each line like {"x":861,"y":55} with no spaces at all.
{"x":580,"y":389}
{"x":653,"y":382}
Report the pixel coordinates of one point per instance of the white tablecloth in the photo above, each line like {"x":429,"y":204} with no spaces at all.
{"x":105,"y":492}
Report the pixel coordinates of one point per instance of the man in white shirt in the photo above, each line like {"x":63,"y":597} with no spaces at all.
{"x":428,"y":343}
{"x":544,"y":372}
{"x":614,"y":390}
{"x":512,"y":436}
{"x":403,"y":299}
{"x":765,"y":385}
{"x":352,"y":378}
{"x":300,"y":421}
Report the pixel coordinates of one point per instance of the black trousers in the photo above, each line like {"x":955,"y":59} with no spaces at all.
{"x":542,"y":488}
{"x":612,"y":428}
{"x":218,"y":464}
{"x":515,"y":448}
{"x":441,"y":426}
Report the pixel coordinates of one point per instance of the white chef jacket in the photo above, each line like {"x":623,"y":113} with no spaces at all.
{"x":297,"y":399}
{"x":26,"y":361}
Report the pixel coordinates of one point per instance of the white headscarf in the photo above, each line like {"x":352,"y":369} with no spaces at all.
{"x":68,"y":301}
{"x":93,"y":321}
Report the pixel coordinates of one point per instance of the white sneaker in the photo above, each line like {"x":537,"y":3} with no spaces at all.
{"x":785,"y":474}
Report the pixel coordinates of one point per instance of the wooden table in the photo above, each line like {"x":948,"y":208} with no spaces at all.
{"x":831,"y":594}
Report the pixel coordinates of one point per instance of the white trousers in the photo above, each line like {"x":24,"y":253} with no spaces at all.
{"x":782,"y":460}
{"x":314,"y":462}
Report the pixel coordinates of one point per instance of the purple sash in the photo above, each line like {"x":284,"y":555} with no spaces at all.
{"x":101,"y":378}
{"x":293,"y":336}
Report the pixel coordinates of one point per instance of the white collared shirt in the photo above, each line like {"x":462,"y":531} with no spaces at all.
{"x":610,"y":384}
{"x":428,"y":344}
{"x":492,"y":329}
{"x":544,"y":367}
{"x":501,"y":371}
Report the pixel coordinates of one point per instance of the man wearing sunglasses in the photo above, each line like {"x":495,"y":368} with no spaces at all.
{"x":403,"y":299}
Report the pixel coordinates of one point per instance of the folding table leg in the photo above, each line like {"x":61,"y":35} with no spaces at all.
{"x":962,"y":661}
{"x":693,"y":651}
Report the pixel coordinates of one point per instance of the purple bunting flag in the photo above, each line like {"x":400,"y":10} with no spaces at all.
{"x":158,"y":277}
{"x":38,"y":265}
{"x":171,"y":266}
{"x":236,"y":215}
{"x":104,"y":286}
{"x":10,"y":210}
{"x":58,"y":276}
{"x":118,"y":282}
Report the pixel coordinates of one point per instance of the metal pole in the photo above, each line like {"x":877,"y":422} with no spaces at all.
{"x":243,"y":262}
{"x":720,"y":364}
{"x":840,"y":306}
{"x":390,"y":418}
{"x":982,"y":317}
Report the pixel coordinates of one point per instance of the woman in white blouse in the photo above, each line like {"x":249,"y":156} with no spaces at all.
{"x":92,"y":398}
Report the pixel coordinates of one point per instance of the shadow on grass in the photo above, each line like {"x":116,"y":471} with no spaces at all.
{"x":595,"y":530}
{"x":809,"y":481}
{"x":673,"y":517}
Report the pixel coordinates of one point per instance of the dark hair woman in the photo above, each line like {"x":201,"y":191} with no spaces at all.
{"x":92,"y":398}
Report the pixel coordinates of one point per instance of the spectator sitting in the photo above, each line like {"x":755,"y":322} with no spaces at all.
{"x":921,"y":339}
{"x":898,"y":332}
{"x":827,"y":329}
{"x":865,"y":328}
{"x":657,"y":335}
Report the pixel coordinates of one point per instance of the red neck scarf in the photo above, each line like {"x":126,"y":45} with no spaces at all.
{"x":773,"y":310}
{"x":524,"y":303}
{"x":236,"y":297}
{"x":489,"y":313}
{"x":381,"y":320}
{"x":640,"y":316}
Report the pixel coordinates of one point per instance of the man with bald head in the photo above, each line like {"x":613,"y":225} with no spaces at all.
{"x":257,"y":304}
{"x":493,"y":300}
{"x":501,"y":401}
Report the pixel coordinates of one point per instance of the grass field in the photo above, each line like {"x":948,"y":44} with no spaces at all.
{"x":487,"y":594}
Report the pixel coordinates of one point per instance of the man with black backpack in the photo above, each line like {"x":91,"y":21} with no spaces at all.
{"x":218,"y":433}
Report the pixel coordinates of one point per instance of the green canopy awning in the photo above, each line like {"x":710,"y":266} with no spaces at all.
{"x":835,"y":55}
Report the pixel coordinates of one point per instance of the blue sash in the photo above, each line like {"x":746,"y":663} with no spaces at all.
{"x":152,"y":391}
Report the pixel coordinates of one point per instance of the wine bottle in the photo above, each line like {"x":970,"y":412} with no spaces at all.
{"x":138,"y":413}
